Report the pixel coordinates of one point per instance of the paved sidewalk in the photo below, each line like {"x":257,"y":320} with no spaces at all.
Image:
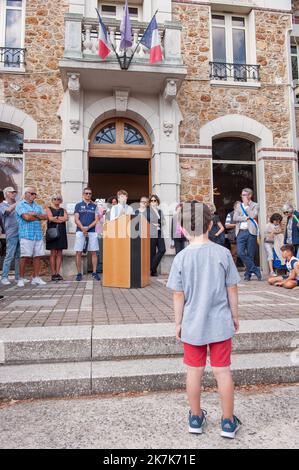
{"x":87,"y":302}
{"x":156,"y":420}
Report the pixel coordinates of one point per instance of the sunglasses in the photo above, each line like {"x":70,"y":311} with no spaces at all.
{"x":33,"y":194}
{"x":154,"y":200}
{"x":12,"y":191}
{"x":88,"y":194}
{"x":287,"y":212}
{"x":57,"y":199}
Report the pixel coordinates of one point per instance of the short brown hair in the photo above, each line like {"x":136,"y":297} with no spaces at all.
{"x":122,"y":192}
{"x":289,"y":248}
{"x":196,"y":217}
{"x":87,"y":189}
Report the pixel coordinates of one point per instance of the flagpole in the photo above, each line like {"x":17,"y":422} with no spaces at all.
{"x":141,"y":39}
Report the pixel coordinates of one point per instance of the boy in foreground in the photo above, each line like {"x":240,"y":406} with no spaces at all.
{"x":204,"y":279}
{"x":291,"y":280}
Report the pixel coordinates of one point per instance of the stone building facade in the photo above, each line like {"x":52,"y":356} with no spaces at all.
{"x":219,"y":112}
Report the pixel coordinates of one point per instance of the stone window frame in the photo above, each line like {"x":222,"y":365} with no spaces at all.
{"x":3,"y":9}
{"x":250,"y":42}
{"x":296,"y":80}
{"x":119,"y":10}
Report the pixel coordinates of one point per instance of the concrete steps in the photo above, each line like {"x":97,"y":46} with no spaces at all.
{"x":83,"y":378}
{"x":71,"y":361}
{"x":107,"y":342}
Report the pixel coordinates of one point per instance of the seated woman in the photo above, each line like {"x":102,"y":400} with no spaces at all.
{"x":290,"y":280}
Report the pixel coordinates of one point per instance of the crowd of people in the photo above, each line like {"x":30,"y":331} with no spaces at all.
{"x":22,"y":223}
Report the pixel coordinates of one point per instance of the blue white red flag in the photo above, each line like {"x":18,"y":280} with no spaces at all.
{"x":104,"y":43}
{"x":152,"y":40}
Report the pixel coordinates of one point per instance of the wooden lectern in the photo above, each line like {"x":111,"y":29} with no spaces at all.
{"x":126,"y":252}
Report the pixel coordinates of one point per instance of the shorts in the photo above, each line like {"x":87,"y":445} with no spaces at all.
{"x":31,"y":248}
{"x":93,"y":242}
{"x":220,"y":354}
{"x":269,"y":251}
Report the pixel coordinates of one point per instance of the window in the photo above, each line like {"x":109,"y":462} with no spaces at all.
{"x":132,"y":136}
{"x":12,"y":33}
{"x":230,"y":48}
{"x":294,"y":59}
{"x":10,"y":141}
{"x":11,"y":159}
{"x":107,"y":135}
{"x":111,"y":10}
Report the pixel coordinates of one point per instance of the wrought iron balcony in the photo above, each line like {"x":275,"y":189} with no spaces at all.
{"x":234,"y":72}
{"x":13,"y":57}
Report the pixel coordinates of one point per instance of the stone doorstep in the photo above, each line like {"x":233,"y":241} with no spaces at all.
{"x":74,"y":379}
{"x":84,"y":343}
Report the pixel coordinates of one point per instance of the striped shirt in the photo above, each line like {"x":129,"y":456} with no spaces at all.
{"x":31,"y":230}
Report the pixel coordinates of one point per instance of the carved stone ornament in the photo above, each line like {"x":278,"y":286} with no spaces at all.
{"x":167,"y":128}
{"x":74,"y":83}
{"x":121,"y":99}
{"x":170,"y":90}
{"x":74,"y":125}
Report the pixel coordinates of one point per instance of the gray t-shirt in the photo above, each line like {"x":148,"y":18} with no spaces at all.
{"x":9,"y":220}
{"x":203,"y":272}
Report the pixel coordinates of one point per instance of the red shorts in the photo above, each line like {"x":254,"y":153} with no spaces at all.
{"x":220,"y":354}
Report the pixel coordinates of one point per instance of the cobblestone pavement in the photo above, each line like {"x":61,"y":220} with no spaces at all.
{"x":152,"y":421}
{"x":87,"y":302}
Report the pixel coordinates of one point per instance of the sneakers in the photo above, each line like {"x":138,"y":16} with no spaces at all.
{"x":21,"y":282}
{"x":273,"y":274}
{"x":37,"y":281}
{"x":54,"y":277}
{"x":95,"y":277}
{"x":79,"y":277}
{"x":5,"y":281}
{"x":197,"y":423}
{"x":229,"y":428}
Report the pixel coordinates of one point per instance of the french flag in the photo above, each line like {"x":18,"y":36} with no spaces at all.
{"x":151,"y":39}
{"x":104,"y":47}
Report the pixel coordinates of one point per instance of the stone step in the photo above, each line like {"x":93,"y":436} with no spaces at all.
{"x":135,"y":375}
{"x":107,"y":342}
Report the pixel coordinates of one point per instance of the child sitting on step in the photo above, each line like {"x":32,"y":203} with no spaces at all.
{"x":291,"y":280}
{"x":204,"y":279}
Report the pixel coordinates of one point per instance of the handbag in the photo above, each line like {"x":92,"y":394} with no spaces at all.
{"x":52,"y":234}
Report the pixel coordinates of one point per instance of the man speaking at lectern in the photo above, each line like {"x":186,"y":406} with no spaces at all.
{"x":122,"y":208}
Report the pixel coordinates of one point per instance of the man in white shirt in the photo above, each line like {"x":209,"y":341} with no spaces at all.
{"x":122,"y":208}
{"x":245,"y":217}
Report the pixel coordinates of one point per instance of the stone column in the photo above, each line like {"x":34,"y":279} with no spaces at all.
{"x":166,"y":177}
{"x":74,"y":174}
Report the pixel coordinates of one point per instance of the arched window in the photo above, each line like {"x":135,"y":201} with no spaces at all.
{"x":107,"y":135}
{"x":119,"y":137}
{"x":234,"y":168}
{"x":11,"y":160}
{"x":11,"y":141}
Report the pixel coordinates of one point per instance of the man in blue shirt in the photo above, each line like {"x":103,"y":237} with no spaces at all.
{"x":29,"y":217}
{"x":86,"y":218}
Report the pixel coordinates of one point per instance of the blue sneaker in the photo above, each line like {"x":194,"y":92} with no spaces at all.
{"x":229,"y":428}
{"x":95,"y":277}
{"x":197,"y":423}
{"x":79,"y":277}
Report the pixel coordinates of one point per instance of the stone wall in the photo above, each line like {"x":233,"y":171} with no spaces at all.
{"x":279,"y":186}
{"x":196,"y":179}
{"x":39,"y":91}
{"x":43,"y":172}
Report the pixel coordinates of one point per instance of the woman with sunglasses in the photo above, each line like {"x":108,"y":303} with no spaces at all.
{"x":291,"y":236}
{"x":57,"y":217}
{"x":157,"y":241}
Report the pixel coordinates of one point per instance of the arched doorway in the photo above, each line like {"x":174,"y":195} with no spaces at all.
{"x":119,"y":158}
{"x":11,"y":160}
{"x":234,"y":168}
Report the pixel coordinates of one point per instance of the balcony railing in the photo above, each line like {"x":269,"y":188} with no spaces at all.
{"x":234,"y":72}
{"x":13,"y":57}
{"x":82,"y":34}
